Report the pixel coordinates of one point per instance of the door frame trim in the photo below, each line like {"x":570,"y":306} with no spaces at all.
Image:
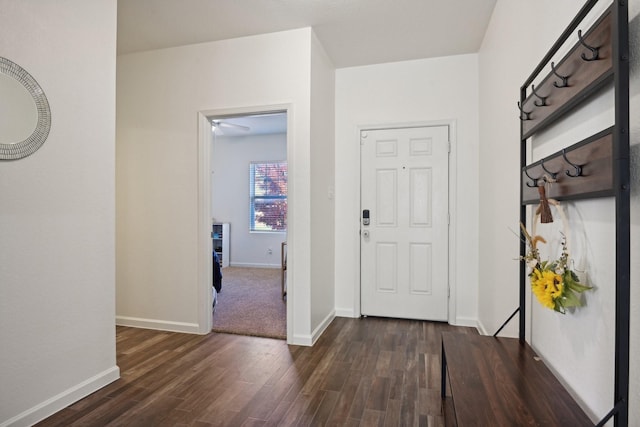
{"x":453,"y":174}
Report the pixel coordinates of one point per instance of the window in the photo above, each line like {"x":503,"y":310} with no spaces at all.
{"x":268,"y":198}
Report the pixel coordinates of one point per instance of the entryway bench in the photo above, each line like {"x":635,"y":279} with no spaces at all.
{"x":498,"y":381}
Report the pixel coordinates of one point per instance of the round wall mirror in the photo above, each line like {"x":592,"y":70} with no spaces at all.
{"x":25,"y":117}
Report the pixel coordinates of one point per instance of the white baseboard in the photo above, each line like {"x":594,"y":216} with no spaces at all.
{"x":510,"y":330}
{"x":304,"y":340}
{"x":322,"y":326}
{"x":482,"y":329}
{"x":346,"y":312}
{"x":160,"y":325}
{"x":64,"y":399}
{"x":467,"y":321}
{"x":251,"y":265}
{"x":309,"y":340}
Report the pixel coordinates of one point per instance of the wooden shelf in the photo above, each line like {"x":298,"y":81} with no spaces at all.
{"x":583,"y":79}
{"x":594,"y":155}
{"x":220,"y":242}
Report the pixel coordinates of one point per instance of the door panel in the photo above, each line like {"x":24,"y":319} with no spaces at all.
{"x":386,"y":197}
{"x":386,"y":269}
{"x":420,"y":197}
{"x":420,"y":266}
{"x":404,"y":249}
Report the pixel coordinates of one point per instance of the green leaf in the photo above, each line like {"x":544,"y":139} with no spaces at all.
{"x":573,"y":276}
{"x":557,"y":306}
{"x":571,"y":282}
{"x":571,"y":299}
{"x":576,"y":287}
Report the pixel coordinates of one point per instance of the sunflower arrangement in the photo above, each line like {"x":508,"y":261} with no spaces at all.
{"x":553,"y":283}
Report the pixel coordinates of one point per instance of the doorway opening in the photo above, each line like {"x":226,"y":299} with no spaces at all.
{"x":249,"y":174}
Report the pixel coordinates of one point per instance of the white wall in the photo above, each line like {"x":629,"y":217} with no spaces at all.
{"x":57,"y":215}
{"x":504,"y":65}
{"x":322,"y":296}
{"x":230,"y":159}
{"x":576,"y":343}
{"x":159,"y":96}
{"x":406,"y":93}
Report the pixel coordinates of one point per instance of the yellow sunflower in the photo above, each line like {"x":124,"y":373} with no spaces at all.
{"x":553,"y":283}
{"x":547,"y":286}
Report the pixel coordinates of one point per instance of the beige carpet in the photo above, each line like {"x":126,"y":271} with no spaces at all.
{"x":251,"y":303}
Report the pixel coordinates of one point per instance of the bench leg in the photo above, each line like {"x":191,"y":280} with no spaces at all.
{"x":443,"y":374}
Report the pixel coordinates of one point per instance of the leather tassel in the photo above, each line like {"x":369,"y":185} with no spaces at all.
{"x":544,"y":208}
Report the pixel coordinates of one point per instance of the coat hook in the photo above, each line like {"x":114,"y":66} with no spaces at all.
{"x":525,"y":113}
{"x":534,"y":183}
{"x":543,"y":99}
{"x":594,"y":50}
{"x":565,"y":79}
{"x":578,"y":168}
{"x":553,"y":175}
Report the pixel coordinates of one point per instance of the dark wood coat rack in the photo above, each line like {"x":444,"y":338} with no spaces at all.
{"x":493,"y":379}
{"x":595,"y":167}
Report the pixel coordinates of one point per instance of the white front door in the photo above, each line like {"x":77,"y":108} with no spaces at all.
{"x":404,"y":249}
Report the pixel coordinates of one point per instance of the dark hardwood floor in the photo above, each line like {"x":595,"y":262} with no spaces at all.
{"x":361,"y":372}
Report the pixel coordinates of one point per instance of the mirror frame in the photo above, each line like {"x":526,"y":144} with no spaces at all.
{"x":29,"y":146}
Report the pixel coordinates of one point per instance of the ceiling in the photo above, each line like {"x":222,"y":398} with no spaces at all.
{"x":250,"y":124}
{"x":353,"y":32}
